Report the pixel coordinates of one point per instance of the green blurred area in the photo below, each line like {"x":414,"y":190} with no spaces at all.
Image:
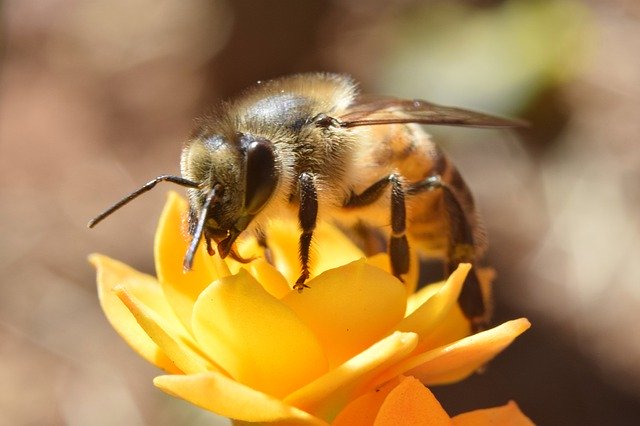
{"x":495,"y":59}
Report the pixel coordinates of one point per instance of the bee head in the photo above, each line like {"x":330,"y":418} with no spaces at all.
{"x":238,"y":176}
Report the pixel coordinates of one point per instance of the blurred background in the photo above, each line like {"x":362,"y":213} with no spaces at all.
{"x":96,"y":98}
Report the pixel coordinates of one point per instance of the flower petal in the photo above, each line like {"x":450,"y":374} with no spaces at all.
{"x":270,"y":278}
{"x":363,"y":410}
{"x":175,"y":342}
{"x":417,"y":299}
{"x":458,"y":360}
{"x":381,"y":260}
{"x":401,"y":401}
{"x":431,"y":313}
{"x":222,"y":395}
{"x":171,"y":242}
{"x":328,"y":394}
{"x":349,"y":308}
{"x":111,"y":273}
{"x":507,"y":415}
{"x":259,"y":340}
{"x":283,"y":243}
{"x":454,"y":326}
{"x":331,"y":248}
{"x":411,"y":403}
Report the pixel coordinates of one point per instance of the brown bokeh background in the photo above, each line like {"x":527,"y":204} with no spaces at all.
{"x":96,"y":98}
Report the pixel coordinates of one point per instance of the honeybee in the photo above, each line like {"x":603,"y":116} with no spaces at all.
{"x":311,"y":145}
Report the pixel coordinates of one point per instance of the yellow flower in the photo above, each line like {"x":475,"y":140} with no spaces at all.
{"x":236,"y":340}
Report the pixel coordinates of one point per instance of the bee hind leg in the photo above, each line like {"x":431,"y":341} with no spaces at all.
{"x":462,"y":249}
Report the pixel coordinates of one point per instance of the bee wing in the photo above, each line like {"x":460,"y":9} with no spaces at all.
{"x":370,"y":111}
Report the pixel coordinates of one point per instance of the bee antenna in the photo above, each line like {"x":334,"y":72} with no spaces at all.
{"x":212,"y":198}
{"x":144,"y":188}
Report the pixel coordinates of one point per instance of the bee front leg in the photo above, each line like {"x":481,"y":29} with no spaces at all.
{"x":307,"y":217}
{"x":398,"y":244}
{"x":261,"y":237}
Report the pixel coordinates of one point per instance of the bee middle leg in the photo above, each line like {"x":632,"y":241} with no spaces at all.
{"x":398,"y":244}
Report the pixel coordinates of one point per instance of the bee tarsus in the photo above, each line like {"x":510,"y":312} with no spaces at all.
{"x":472,"y":301}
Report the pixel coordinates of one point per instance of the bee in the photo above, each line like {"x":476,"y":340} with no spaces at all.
{"x":311,"y":145}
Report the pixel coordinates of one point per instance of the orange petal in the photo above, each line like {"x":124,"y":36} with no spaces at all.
{"x":255,"y":337}
{"x":363,"y":410}
{"x":328,"y":394}
{"x":171,"y":242}
{"x":349,"y":308}
{"x":111,"y":273}
{"x":222,"y":395}
{"x":175,"y":342}
{"x":432,"y":312}
{"x":411,"y":403}
{"x":331,"y":248}
{"x":458,"y":360}
{"x":507,"y":415}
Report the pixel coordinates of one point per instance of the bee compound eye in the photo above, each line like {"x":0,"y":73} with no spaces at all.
{"x":261,"y":177}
